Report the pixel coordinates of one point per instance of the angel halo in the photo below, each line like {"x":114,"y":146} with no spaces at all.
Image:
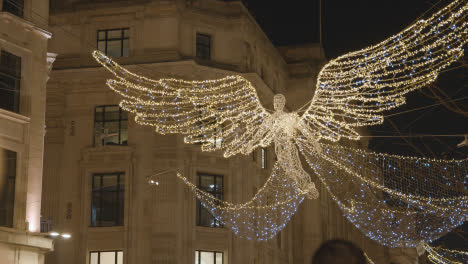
{"x":395,"y":200}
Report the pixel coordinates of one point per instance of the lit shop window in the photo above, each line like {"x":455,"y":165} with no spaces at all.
{"x":106,"y":257}
{"x":208,"y":257}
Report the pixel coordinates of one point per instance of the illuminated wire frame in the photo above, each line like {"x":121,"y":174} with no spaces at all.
{"x":395,"y":200}
{"x":445,"y":256}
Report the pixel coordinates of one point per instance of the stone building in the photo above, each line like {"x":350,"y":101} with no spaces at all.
{"x":24,"y":68}
{"x":97,"y":159}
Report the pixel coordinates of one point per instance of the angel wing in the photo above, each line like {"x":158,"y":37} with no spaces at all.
{"x":354,"y":89}
{"x":218,"y":114}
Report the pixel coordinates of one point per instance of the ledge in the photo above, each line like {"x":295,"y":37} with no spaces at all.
{"x":14,"y":116}
{"x":28,"y":25}
{"x":22,"y":238}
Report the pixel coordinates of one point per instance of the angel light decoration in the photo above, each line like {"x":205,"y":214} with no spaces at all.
{"x":395,"y":200}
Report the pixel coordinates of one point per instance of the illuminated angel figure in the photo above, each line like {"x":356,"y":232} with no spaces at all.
{"x":392,"y":199}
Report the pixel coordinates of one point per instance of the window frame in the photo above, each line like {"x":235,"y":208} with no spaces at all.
{"x":203,"y":46}
{"x":99,"y":254}
{"x":209,"y":251}
{"x":103,"y":121}
{"x":15,"y":76}
{"x":120,"y":180}
{"x":200,"y":207}
{"x":107,"y":39}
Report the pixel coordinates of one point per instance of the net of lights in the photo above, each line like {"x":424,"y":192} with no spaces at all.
{"x":395,"y":200}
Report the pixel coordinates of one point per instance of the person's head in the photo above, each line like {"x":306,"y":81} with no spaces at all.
{"x":339,"y":252}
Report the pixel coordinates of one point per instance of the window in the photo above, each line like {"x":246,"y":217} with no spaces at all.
{"x":106,"y":257}
{"x":110,"y":126}
{"x":212,"y":184}
{"x":107,"y":201}
{"x":7,"y":186}
{"x":208,"y":257}
{"x":264,"y":158}
{"x":203,"y":46}
{"x":10,"y":76}
{"x":14,"y":7}
{"x":113,"y":42}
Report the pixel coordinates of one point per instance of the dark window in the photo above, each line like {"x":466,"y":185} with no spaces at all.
{"x":10,"y":77}
{"x":14,"y":7}
{"x":264,"y":158}
{"x":107,"y":201}
{"x":113,"y":42}
{"x":212,"y":184}
{"x":106,"y":257}
{"x":110,"y":126}
{"x":203,"y":46}
{"x":7,"y":186}
{"x":208,"y":257}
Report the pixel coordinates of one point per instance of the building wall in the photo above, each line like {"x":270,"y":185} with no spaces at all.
{"x":160,"y":221}
{"x":23,"y":131}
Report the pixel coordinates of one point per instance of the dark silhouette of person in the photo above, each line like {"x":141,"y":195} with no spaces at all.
{"x":339,"y":252}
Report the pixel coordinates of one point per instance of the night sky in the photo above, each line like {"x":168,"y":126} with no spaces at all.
{"x":353,"y":25}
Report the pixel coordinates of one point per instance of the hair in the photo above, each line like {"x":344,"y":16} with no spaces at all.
{"x":339,"y":252}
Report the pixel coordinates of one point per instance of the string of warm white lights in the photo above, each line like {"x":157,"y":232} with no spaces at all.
{"x":441,"y":255}
{"x":353,"y":90}
{"x":395,"y":200}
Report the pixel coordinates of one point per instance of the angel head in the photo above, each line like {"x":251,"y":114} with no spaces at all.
{"x":278,"y":102}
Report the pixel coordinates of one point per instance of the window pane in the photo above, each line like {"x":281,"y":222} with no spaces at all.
{"x":112,"y":113}
{"x":124,"y":115}
{"x":94,"y":258}
{"x":219,"y":258}
{"x":101,"y":35}
{"x":102,"y":46}
{"x":111,"y":133}
{"x":107,"y":258}
{"x":10,"y":77}
{"x":125,"y":48}
{"x":197,"y":255}
{"x":114,"y":48}
{"x":219,"y":184}
{"x":107,"y":201}
{"x":109,"y":182}
{"x":98,"y":113}
{"x":126,"y":33}
{"x":207,"y":257}
{"x":114,"y":34}
{"x":207,"y":182}
{"x":14,"y":7}
{"x":203,"y":46}
{"x":110,"y":126}
{"x":119,"y":257}
{"x":7,"y":186}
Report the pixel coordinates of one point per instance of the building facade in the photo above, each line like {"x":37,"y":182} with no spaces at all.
{"x":24,"y":68}
{"x":97,"y":159}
